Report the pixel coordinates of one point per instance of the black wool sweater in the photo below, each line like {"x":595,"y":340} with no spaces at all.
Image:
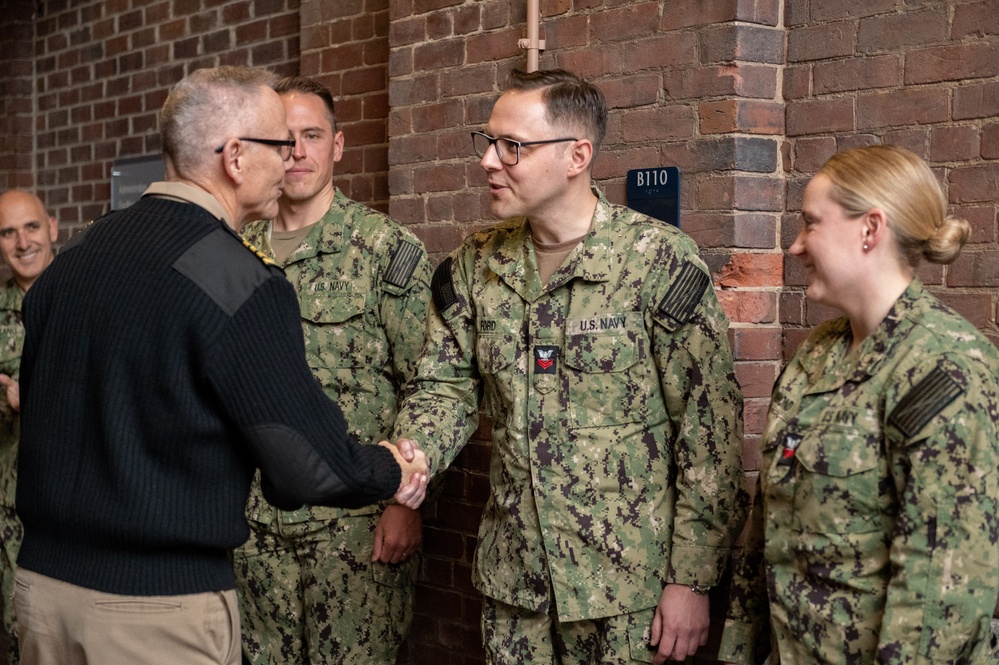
{"x":163,"y":362}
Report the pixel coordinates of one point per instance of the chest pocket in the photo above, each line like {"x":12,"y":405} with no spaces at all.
{"x":607,"y":378}
{"x":497,"y":353}
{"x":841,"y":468}
{"x":334,"y":329}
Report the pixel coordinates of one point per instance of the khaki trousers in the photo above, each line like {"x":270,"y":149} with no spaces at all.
{"x":64,"y":624}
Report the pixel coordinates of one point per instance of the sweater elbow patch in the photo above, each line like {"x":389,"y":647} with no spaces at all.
{"x":293,"y":472}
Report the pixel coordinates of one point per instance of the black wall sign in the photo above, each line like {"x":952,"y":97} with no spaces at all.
{"x":655,"y":191}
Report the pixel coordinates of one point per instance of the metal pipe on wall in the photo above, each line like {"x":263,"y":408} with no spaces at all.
{"x":533,"y":45}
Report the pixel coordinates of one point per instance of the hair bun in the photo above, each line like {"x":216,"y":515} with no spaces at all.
{"x":945,"y":244}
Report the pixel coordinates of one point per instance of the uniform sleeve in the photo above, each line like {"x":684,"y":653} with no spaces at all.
{"x":296,"y":434}
{"x":704,"y":405}
{"x":441,"y":412}
{"x":403,"y":305}
{"x":944,"y":444}
{"x":746,"y":634}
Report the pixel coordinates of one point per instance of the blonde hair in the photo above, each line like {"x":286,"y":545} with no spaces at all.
{"x":900,"y":184}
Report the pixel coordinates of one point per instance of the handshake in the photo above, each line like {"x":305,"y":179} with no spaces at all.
{"x":415,"y":472}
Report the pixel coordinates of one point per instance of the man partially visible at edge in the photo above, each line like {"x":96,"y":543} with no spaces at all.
{"x":27,"y":233}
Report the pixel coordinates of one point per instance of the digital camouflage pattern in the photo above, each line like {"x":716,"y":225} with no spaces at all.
{"x":616,"y":418}
{"x":11,"y":342}
{"x":515,"y":635}
{"x":363,"y":284}
{"x":876,"y":525}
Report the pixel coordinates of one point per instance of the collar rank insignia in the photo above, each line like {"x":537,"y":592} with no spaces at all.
{"x":791,"y":443}
{"x":544,"y":359}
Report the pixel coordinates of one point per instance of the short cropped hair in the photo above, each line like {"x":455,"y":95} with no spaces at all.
{"x":570,"y":101}
{"x":306,"y":86}
{"x":205,"y":109}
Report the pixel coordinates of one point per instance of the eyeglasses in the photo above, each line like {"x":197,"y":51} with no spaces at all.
{"x":507,"y":150}
{"x":287,"y":145}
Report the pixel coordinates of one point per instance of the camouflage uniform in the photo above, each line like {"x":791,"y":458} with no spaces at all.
{"x":308,"y":589}
{"x":616,"y":419}
{"x":877,"y":497}
{"x":11,"y":341}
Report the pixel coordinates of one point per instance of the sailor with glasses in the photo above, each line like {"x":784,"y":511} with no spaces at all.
{"x":593,"y":339}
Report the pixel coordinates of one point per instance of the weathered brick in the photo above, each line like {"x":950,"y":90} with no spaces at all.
{"x":973,"y":183}
{"x":902,"y":107}
{"x":751,"y":270}
{"x":954,"y":144}
{"x":825,"y":10}
{"x":756,"y":379}
{"x":895,"y":31}
{"x":811,"y":153}
{"x":686,"y":14}
{"x":827,"y":40}
{"x":990,"y":141}
{"x":857,"y":74}
{"x":974,"y":269}
{"x":819,"y":116}
{"x":976,"y":101}
{"x":975,"y":19}
{"x":952,"y":63}
{"x":727,"y":43}
{"x":738,"y":115}
{"x":636,"y":19}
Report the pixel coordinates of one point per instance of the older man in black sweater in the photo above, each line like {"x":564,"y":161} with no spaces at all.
{"x":143,"y":418}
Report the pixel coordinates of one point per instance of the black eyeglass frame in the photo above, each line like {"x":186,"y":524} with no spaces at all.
{"x":284,"y":143}
{"x":494,"y":139}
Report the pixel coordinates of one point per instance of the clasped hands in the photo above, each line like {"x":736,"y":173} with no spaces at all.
{"x":415,"y":472}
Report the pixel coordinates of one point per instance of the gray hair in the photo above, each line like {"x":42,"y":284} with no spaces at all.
{"x":206,"y":108}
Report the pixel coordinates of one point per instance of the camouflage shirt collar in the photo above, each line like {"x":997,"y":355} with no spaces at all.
{"x":592,"y":262}
{"x":832,"y":365}
{"x":11,"y":296}
{"x":327,"y":236}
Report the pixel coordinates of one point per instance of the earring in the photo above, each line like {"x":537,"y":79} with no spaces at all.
{"x":865,"y":247}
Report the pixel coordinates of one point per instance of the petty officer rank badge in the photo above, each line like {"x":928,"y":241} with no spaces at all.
{"x":791,"y":442}
{"x":545,"y":359}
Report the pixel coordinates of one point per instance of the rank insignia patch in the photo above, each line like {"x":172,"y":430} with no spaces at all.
{"x":545,"y":358}
{"x":790,"y":448}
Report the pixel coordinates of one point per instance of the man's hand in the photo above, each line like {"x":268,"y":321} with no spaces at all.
{"x":399,"y":533}
{"x":413,"y":488}
{"x":681,"y":623}
{"x":13,"y":391}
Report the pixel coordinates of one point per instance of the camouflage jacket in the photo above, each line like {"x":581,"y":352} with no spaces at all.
{"x":11,"y":341}
{"x":363,"y":284}
{"x":616,"y":463}
{"x":876,"y":527}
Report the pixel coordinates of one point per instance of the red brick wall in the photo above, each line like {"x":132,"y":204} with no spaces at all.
{"x":925,"y":77}
{"x":103,"y":69}
{"x":345,"y":46}
{"x":16,"y":95}
{"x":748,"y":97}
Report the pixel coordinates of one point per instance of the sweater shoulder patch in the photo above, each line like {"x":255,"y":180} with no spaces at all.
{"x":221,"y":267}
